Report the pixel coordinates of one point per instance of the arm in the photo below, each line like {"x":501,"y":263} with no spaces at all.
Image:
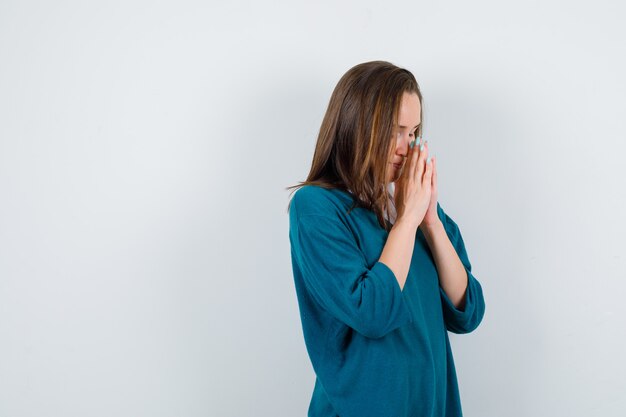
{"x":461,"y":294}
{"x":367,"y":298}
{"x":452,"y":274}
{"x":398,"y":250}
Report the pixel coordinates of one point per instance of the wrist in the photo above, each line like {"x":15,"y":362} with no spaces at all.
{"x":404,"y":223}
{"x":431,"y":227}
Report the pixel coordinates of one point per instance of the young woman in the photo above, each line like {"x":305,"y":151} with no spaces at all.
{"x":381,"y":271}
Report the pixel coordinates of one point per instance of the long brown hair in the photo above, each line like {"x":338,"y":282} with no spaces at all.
{"x":356,"y":138}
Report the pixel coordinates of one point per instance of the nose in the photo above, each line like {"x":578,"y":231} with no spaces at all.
{"x":402,"y":147}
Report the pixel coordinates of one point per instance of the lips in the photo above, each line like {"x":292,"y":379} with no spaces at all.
{"x":398,"y":166}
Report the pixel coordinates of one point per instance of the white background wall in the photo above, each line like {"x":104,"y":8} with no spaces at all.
{"x":145,"y":147}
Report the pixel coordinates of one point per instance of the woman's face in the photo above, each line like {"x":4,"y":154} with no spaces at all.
{"x":405,"y":132}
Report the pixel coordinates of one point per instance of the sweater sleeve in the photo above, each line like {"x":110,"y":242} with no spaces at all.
{"x":365,"y":297}
{"x":465,"y":320}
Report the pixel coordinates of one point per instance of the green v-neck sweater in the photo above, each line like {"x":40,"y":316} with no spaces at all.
{"x":377,"y":350}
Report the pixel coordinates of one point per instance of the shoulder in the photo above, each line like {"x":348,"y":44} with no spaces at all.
{"x":317,"y":200}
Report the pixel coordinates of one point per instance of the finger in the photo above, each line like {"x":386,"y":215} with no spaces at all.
{"x":414,"y":155}
{"x":421,"y":161}
{"x":434,"y":162}
{"x":429,"y":172}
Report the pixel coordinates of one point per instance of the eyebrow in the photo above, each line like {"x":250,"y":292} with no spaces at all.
{"x":403,"y":127}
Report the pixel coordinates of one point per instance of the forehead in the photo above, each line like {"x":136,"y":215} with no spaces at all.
{"x":409,"y":112}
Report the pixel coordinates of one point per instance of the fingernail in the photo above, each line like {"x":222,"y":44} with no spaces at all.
{"x":421,"y":147}
{"x":411,"y":144}
{"x":428,"y":159}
